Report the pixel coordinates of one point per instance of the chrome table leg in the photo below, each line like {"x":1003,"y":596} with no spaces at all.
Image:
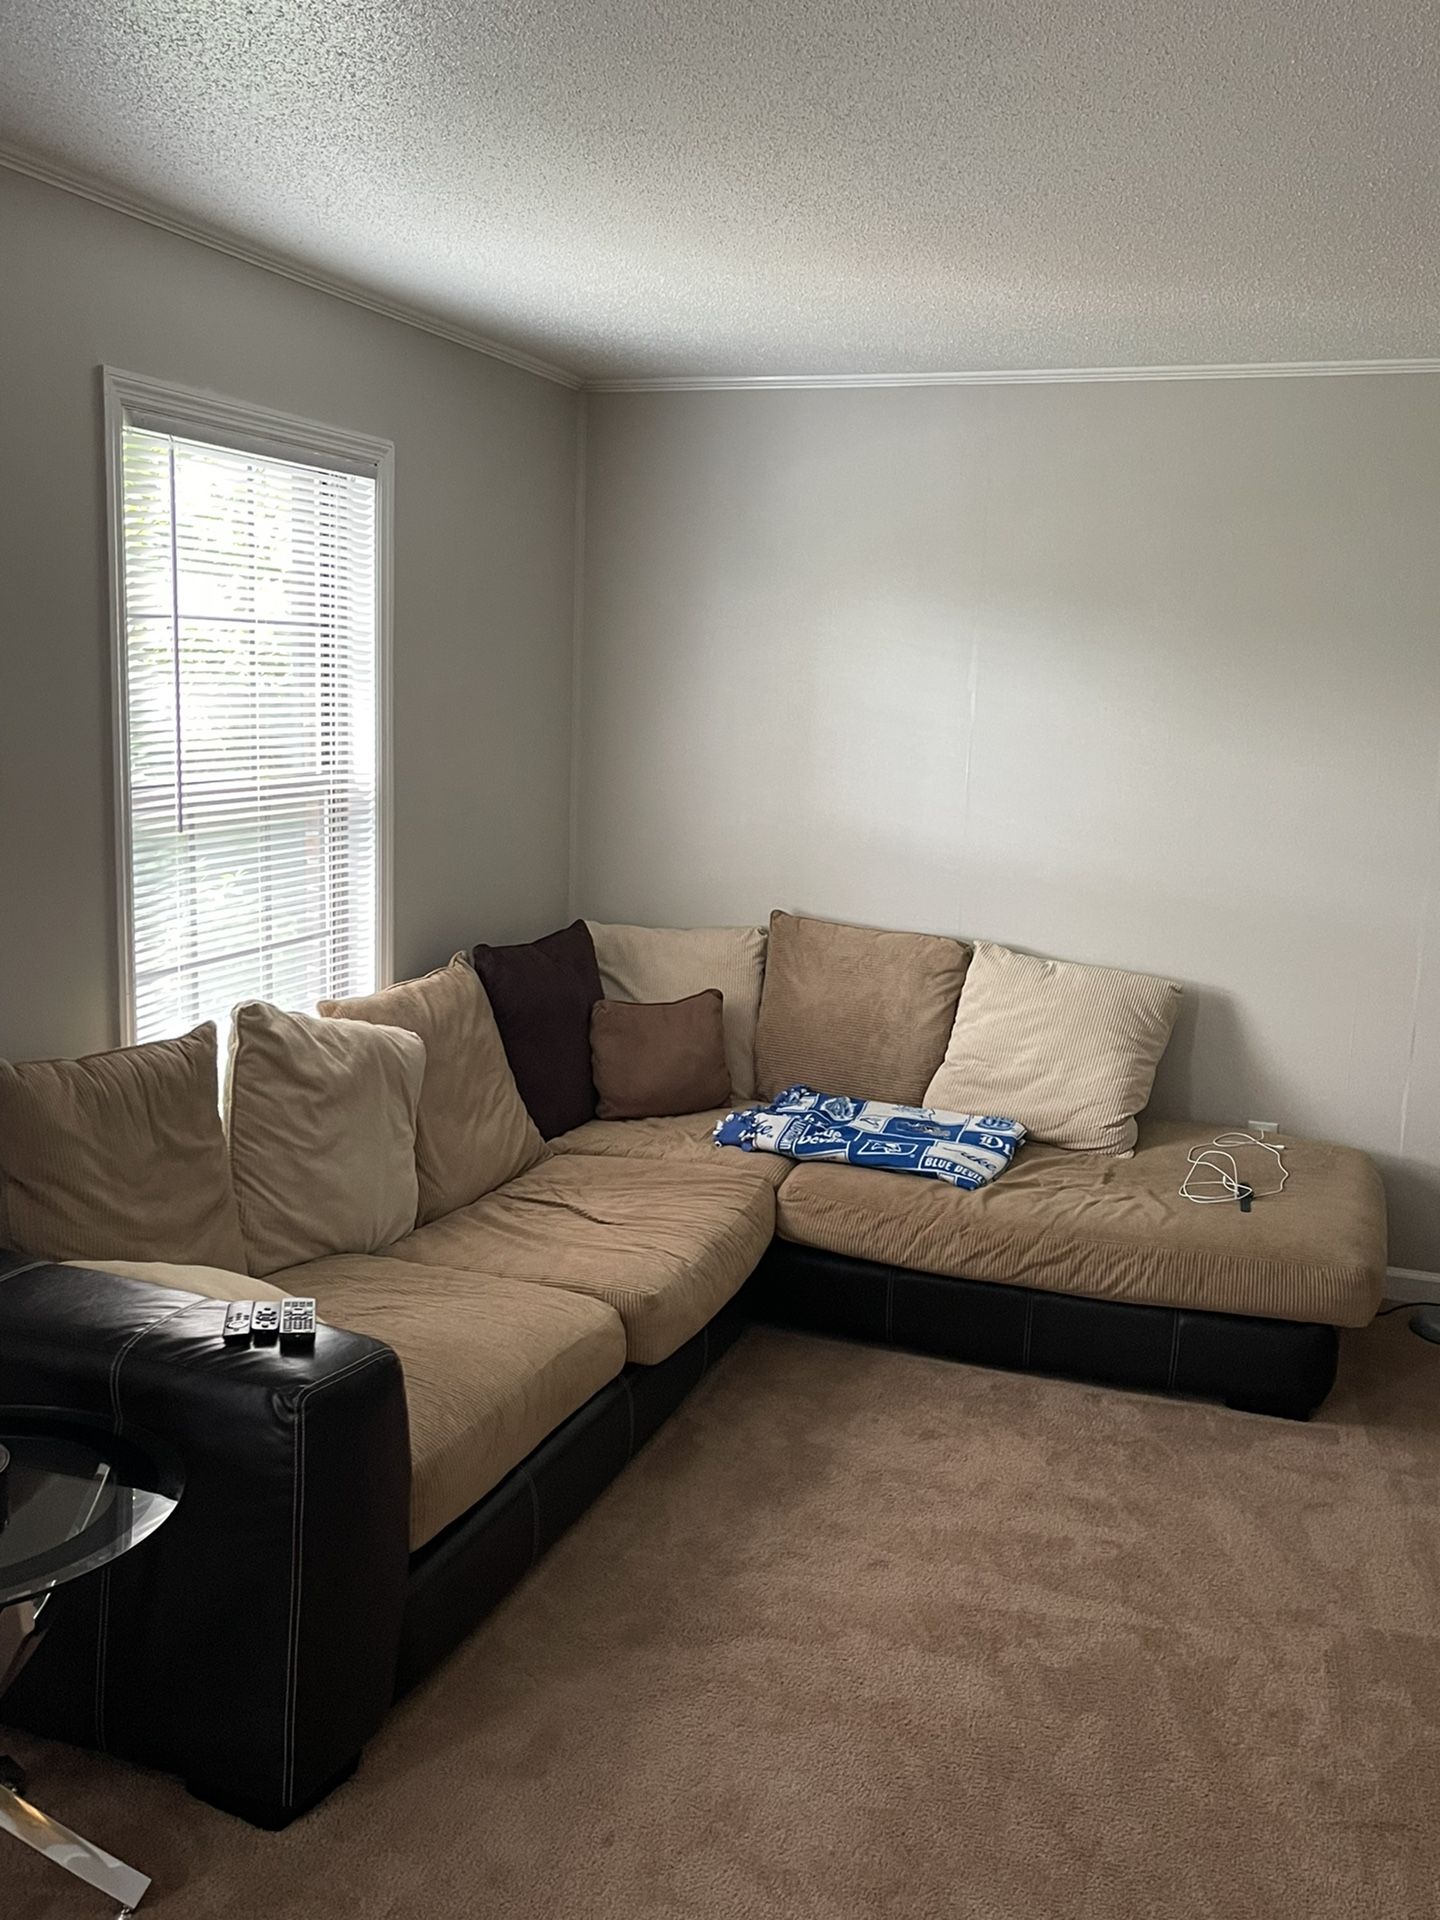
{"x":83,"y":1858}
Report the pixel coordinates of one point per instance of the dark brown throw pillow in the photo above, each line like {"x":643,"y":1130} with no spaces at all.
{"x":542,"y":993}
{"x":652,"y":1058}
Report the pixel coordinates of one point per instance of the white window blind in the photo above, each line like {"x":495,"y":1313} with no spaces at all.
{"x":248,"y":613}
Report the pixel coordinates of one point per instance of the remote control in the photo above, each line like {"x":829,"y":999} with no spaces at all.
{"x":265,"y":1323}
{"x":297,"y":1323}
{"x":237,"y":1323}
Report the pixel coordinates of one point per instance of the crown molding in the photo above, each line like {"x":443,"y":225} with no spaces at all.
{"x":86,"y":187}
{"x":1006,"y":376}
{"x":154,"y":215}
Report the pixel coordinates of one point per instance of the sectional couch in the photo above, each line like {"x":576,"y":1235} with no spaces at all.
{"x":507,"y":1317}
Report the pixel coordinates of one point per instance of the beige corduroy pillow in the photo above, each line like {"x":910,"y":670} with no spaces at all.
{"x":472,"y":1132}
{"x":855,"y":1010}
{"x":672,"y":963}
{"x":119,"y":1154}
{"x":321,"y":1118}
{"x":1069,"y":1051}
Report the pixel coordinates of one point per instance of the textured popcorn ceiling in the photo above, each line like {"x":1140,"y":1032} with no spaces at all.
{"x":726,"y":186}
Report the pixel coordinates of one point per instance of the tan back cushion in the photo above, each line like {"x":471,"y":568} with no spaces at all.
{"x":855,"y":1010}
{"x":321,"y":1116}
{"x":472,"y":1132}
{"x":209,"y":1282}
{"x":1068,"y":1051}
{"x":119,"y":1155}
{"x":671,"y":963}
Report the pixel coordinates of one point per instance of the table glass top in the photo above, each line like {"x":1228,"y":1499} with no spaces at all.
{"x":68,"y":1504}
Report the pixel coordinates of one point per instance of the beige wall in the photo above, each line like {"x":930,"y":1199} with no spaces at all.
{"x":483,"y":588}
{"x":1145,"y":673}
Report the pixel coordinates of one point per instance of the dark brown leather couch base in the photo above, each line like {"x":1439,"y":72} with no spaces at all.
{"x":458,"y":1577}
{"x":256,"y":1428}
{"x":1281,"y":1367}
{"x":194,"y":1654}
{"x":250,"y":1645}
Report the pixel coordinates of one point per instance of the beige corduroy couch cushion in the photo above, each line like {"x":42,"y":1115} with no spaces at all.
{"x":321,"y":1121}
{"x":671,"y":963}
{"x":686,"y":1138}
{"x":665,"y":1245}
{"x":119,"y":1155}
{"x":491,"y":1366}
{"x":1118,"y":1229}
{"x":211,"y":1283}
{"x":855,"y":1010}
{"x":471,"y":1128}
{"x":1069,"y":1051}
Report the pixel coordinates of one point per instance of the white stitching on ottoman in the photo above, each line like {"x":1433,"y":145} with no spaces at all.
{"x":122,"y":1354}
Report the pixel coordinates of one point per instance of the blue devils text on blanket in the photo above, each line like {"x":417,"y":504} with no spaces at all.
{"x":964,"y":1149}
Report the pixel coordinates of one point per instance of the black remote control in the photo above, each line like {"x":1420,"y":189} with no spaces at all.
{"x":297,"y":1323}
{"x":237,"y":1323}
{"x":265,"y":1323}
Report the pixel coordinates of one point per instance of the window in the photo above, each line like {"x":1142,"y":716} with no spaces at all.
{"x":248,"y":554}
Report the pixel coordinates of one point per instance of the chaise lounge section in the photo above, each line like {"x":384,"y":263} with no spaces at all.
{"x":1095,"y":1267}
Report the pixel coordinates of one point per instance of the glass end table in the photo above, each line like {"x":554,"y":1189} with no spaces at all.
{"x":74,"y":1496}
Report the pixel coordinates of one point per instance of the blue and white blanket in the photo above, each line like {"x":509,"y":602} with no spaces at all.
{"x":964,"y":1149}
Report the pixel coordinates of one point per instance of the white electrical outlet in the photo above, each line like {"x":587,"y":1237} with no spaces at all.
{"x":1263,"y":1127}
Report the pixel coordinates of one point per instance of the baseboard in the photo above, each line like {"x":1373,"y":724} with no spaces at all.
{"x":1412,"y":1283}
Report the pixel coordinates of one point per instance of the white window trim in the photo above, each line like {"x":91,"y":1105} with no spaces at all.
{"x":130,"y":398}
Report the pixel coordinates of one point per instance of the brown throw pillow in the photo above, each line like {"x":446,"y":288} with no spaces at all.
{"x":542,"y":993}
{"x":667,"y":963}
{"x":659,"y":1057}
{"x":119,"y":1156}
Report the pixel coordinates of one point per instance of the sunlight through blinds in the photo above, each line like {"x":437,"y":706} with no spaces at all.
{"x":250,"y":668}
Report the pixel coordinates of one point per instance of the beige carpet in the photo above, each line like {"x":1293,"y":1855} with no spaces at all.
{"x":864,"y":1634}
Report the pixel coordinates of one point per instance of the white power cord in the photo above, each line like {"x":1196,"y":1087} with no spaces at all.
{"x":1225,"y":1187}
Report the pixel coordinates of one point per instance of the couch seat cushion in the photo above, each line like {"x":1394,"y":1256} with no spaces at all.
{"x":491,"y":1366}
{"x":686,"y":1137}
{"x":1117,"y":1229}
{"x":209,"y":1283}
{"x":664,"y":1244}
